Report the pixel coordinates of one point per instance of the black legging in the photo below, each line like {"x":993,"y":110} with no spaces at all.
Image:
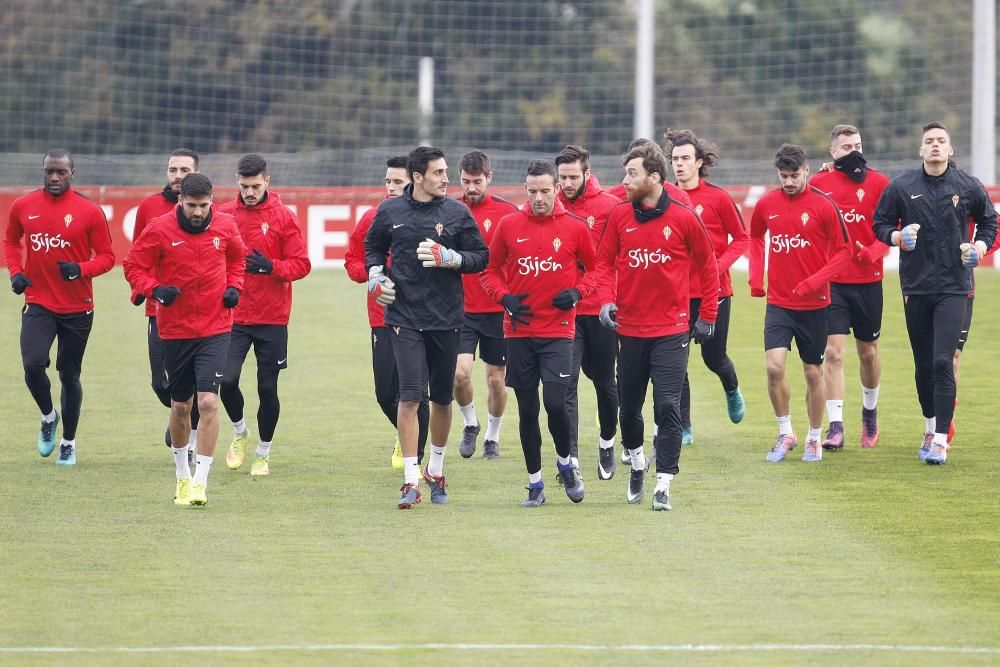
{"x":713,"y":353}
{"x":934,"y":324}
{"x":70,"y":399}
{"x":267,"y":392}
{"x":595,"y":350}
{"x":554,"y":398}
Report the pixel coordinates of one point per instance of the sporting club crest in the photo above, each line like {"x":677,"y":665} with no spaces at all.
{"x":954,"y":201}
{"x":590,"y":221}
{"x":439,"y":227}
{"x":216,"y":242}
{"x":805,"y":219}
{"x":68,"y":219}
{"x":667,"y":232}
{"x":556,"y":244}
{"x":860,"y":193}
{"x":264,"y":227}
{"x":698,"y":209}
{"x":487,"y":223}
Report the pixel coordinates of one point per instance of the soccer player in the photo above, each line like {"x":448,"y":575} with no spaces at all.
{"x":57,"y":241}
{"x":692,"y":158}
{"x":383,"y":361}
{"x":416,"y":247}
{"x":483,"y":323}
{"x":181,"y":162}
{"x":191,"y":261}
{"x":595,"y":348}
{"x":855,"y":292}
{"x":277,"y":257}
{"x":926,"y":212}
{"x":651,"y":246}
{"x":533,"y":272}
{"x":808,"y":246}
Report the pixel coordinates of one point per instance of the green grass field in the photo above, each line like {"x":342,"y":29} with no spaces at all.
{"x":870,"y":557}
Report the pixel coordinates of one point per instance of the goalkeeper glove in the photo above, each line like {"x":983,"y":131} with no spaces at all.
{"x":435,"y":255}
{"x":972,"y":254}
{"x":906,"y":238}
{"x":380,"y":287}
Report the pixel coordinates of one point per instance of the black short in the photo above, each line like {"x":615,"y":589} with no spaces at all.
{"x":194,"y":364}
{"x":485,"y":331}
{"x":967,"y":326}
{"x":857,"y":308}
{"x":269,"y":341}
{"x":807,"y":327}
{"x":425,"y":360}
{"x":40,"y":327}
{"x":532,"y":359}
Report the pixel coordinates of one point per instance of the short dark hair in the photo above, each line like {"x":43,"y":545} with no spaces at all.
{"x":58,"y":154}
{"x":839,"y":130}
{"x":420,"y":157}
{"x":934,"y":125}
{"x":187,"y":152}
{"x":641,"y":141}
{"x":542,"y":168}
{"x":653,"y":159}
{"x":474,"y":163}
{"x":251,"y":165}
{"x":705,"y":151}
{"x":398,"y":162}
{"x":573,"y":153}
{"x":196,"y":185}
{"x":790,"y":157}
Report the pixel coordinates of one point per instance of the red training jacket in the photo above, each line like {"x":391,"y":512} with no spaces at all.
{"x":653,"y":261}
{"x":723,"y":221}
{"x":354,"y":262}
{"x":487,"y":213}
{"x":538,"y":255}
{"x":808,"y":247}
{"x":43,"y":230}
{"x":857,"y":204}
{"x":271,"y":228}
{"x":151,"y":207}
{"x":593,"y":205}
{"x":201,"y":265}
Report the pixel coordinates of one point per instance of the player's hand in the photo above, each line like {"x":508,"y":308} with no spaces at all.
{"x":435,"y":255}
{"x":758,"y":292}
{"x":607,"y":316}
{"x":380,"y":287}
{"x":69,"y":270}
{"x":703,"y":331}
{"x":972,"y":254}
{"x":230,"y":298}
{"x":519,"y":311}
{"x":165,"y":294}
{"x":19,"y":283}
{"x":567,"y":299}
{"x":138,"y":298}
{"x":906,"y":238}
{"x":805,"y":288}
{"x":828,"y":166}
{"x":257,"y":263}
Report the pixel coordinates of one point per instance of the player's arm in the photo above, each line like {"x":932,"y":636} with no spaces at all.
{"x":354,"y":258}
{"x":472,"y":248}
{"x":377,"y":241}
{"x":293,"y":264}
{"x":732,"y":222}
{"x":140,"y":264}
{"x":885,"y":220}
{"x":985,"y":217}
{"x":702,"y":254}
{"x":838,"y":256}
{"x":758,"y":228}
{"x":587,"y":280}
{"x":236,"y":260}
{"x":100,"y":243}
{"x":493,"y":278}
{"x":12,"y":248}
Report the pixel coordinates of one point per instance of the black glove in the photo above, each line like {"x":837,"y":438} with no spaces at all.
{"x":165,"y":294}
{"x":567,"y":298}
{"x":230,"y":297}
{"x":703,"y":331}
{"x":519,"y":311}
{"x":138,"y":299}
{"x":19,"y":283}
{"x":257,"y":263}
{"x":69,"y":270}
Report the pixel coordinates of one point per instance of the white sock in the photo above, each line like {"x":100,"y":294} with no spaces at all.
{"x":240,"y":427}
{"x":931,"y":424}
{"x":201,"y":470}
{"x":563,"y":460}
{"x":663,"y":482}
{"x":193,"y":440}
{"x":575,"y":461}
{"x":785,"y":425}
{"x":835,"y":410}
{"x":869,"y":397}
{"x":435,"y":466}
{"x":941,"y":439}
{"x":49,"y":418}
{"x":469,"y":414}
{"x":263,"y":448}
{"x":181,"y":462}
{"x":71,"y":443}
{"x":535,"y":477}
{"x":493,"y":428}
{"x":656,"y":429}
{"x":606,"y":444}
{"x":638,"y":458}
{"x":814,"y":433}
{"x":411,"y":470}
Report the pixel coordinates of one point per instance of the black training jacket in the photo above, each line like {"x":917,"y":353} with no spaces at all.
{"x":426,"y":298}
{"x":943,"y":206}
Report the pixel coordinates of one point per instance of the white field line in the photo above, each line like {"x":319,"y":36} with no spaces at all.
{"x":593,"y":648}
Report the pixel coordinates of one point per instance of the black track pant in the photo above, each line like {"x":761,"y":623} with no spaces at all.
{"x":554,"y":398}
{"x":595,"y":350}
{"x":934,"y":324}
{"x":713,"y":353}
{"x":387,"y":386}
{"x":158,"y":379}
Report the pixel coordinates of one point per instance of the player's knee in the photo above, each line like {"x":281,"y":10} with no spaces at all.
{"x":868,"y":353}
{"x":208,"y":404}
{"x":34,"y":372}
{"x":834,"y":355}
{"x":775,"y":370}
{"x":813,"y":373}
{"x":463,"y":376}
{"x":943,"y":366}
{"x":495,"y":384}
{"x":181,"y":409}
{"x":267,"y":386}
{"x":70,"y":379}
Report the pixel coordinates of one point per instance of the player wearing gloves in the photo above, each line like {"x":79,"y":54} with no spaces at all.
{"x":927,"y":212}
{"x":56,"y":242}
{"x":651,"y":246}
{"x":533,"y":272}
{"x":278,"y":256}
{"x":422,"y":241}
{"x":808,"y":246}
{"x":855,"y":292}
{"x":191,"y":262}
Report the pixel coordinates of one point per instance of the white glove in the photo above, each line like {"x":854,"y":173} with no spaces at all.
{"x":906,"y":238}
{"x":972,"y":254}
{"x":380,"y":287}
{"x":435,"y":255}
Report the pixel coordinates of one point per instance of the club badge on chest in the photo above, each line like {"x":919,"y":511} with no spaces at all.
{"x":439,"y":228}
